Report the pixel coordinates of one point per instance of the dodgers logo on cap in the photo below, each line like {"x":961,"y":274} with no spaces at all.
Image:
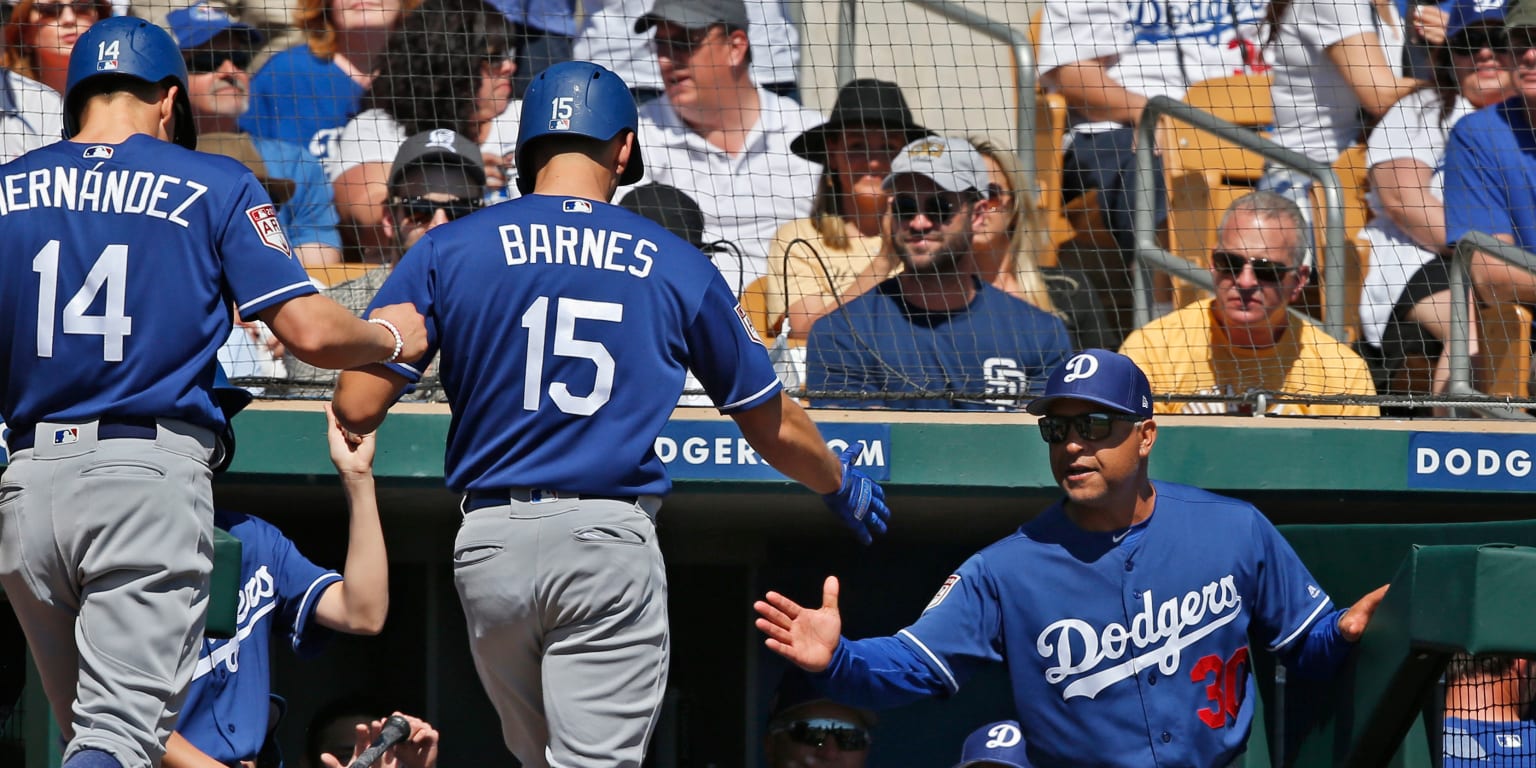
{"x":1101,"y":377}
{"x":995,"y":744}
{"x":1081,"y":367}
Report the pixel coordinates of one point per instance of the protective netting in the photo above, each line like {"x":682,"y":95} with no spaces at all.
{"x":1487,"y":711}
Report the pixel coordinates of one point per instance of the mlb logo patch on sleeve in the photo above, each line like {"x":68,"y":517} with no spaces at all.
{"x":263,"y":219}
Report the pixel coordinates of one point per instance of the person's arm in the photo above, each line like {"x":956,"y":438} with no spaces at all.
{"x":324,"y":334}
{"x":359,"y":603}
{"x":1402,"y":186}
{"x":180,"y":753}
{"x":1363,"y":63}
{"x":1093,"y":94}
{"x":1330,"y":639}
{"x":363,"y":397}
{"x":781,"y":432}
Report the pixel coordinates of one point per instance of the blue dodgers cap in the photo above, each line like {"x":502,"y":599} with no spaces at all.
{"x":201,"y":22}
{"x":999,"y":743}
{"x":1460,"y":14}
{"x":1098,"y":376}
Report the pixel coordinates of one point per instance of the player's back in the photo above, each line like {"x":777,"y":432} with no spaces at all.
{"x":564,"y":328}
{"x":116,"y":298}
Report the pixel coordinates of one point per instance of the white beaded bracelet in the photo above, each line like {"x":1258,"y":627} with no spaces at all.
{"x":399,"y":340}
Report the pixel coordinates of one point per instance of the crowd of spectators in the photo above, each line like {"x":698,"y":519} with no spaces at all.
{"x":797,"y":208}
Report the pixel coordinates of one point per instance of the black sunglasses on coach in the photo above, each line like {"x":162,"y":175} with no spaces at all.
{"x":1472,"y":41}
{"x":816,"y":732}
{"x":202,"y":62}
{"x":937,"y":208}
{"x":1089,"y":426}
{"x":420,"y":210}
{"x":1264,"y":270}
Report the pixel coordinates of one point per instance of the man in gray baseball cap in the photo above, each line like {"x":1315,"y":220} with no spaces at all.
{"x":935,"y":330}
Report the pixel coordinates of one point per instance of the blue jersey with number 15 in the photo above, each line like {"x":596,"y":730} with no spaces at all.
{"x":565,"y":327}
{"x":122,"y":263}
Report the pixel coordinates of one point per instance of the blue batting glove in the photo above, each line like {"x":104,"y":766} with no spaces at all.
{"x":860,"y":501}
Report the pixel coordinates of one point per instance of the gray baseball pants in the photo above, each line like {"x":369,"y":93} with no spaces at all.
{"x":566,"y":602}
{"x":105,"y":553}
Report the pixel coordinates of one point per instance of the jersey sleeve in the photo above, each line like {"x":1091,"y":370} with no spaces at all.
{"x":1288,"y":600}
{"x":1075,"y":30}
{"x":259,"y":266}
{"x":1474,"y":184}
{"x":298,"y":584}
{"x":726,"y":354}
{"x":412,"y":281}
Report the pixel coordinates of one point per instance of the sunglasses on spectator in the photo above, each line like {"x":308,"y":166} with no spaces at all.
{"x":1089,"y":426}
{"x":1264,"y":270}
{"x":1471,"y":42}
{"x":202,"y":62}
{"x":418,"y":211}
{"x":55,"y":10}
{"x":682,"y":47}
{"x":1519,"y":40}
{"x":937,"y":208}
{"x":816,"y":732}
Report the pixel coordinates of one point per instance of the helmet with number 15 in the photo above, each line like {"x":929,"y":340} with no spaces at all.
{"x":577,"y":98}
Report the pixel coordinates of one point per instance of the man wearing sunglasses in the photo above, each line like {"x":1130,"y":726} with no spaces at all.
{"x":217,"y":50}
{"x":1123,"y":613}
{"x":1245,"y":341}
{"x":934,"y":336}
{"x":1490,"y":169}
{"x":437,"y":176}
{"x":806,"y":729}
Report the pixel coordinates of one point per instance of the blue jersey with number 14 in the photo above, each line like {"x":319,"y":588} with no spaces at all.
{"x":565,"y":327}
{"x":1125,"y":648}
{"x":122,"y":261}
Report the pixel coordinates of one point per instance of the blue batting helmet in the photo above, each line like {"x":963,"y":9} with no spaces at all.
{"x":123,"y":45}
{"x":577,"y":98}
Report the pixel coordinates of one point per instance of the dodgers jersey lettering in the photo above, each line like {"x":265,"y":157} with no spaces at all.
{"x":1128,"y":651}
{"x":561,"y":317}
{"x":123,"y":261}
{"x":227,"y":708}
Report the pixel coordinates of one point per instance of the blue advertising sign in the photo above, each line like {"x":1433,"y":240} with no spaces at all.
{"x":715,"y":450}
{"x":1461,"y":461}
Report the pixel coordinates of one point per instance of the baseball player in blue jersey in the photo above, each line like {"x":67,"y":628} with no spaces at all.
{"x":1123,"y":612}
{"x":225,"y":720}
{"x":128,"y":249}
{"x":565,"y":326}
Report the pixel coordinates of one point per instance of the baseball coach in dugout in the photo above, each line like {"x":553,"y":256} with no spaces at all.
{"x":565,"y":326}
{"x":125,"y":251}
{"x":1123,"y":612}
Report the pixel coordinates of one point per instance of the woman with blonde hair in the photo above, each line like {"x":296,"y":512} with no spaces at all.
{"x":838,"y":252}
{"x":306,"y":94}
{"x":41,"y":34}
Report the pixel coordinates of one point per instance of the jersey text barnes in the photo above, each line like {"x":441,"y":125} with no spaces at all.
{"x":577,"y":247}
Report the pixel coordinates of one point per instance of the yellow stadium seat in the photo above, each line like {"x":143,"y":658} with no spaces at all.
{"x":1506,"y":330}
{"x":1352,"y":171}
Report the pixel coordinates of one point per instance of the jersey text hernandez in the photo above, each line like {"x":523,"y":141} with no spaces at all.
{"x":145,"y":193}
{"x":577,"y":247}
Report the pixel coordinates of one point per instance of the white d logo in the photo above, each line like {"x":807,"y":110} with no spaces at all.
{"x":1003,"y":735}
{"x":1081,"y":367}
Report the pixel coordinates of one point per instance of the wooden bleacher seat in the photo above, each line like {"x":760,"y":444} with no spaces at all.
{"x":1206,"y":173}
{"x":1506,"y":342}
{"x":1353,"y":173}
{"x":335,"y":274}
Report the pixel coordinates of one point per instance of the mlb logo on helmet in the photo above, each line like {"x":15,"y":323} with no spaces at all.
{"x":110,"y":65}
{"x":560,"y":125}
{"x":66,"y":436}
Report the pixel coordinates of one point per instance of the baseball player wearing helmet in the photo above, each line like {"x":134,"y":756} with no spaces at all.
{"x":129,"y":249}
{"x":565,"y":326}
{"x":1123,"y":612}
{"x":226,"y":718}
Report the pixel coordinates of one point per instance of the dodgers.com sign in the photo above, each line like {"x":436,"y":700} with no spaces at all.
{"x":715,"y":450}
{"x":1472,"y":462}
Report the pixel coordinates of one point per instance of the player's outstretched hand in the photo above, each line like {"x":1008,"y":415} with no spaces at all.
{"x":413,"y":328}
{"x":350,"y":452}
{"x":419,"y":750}
{"x":860,"y":501}
{"x":1352,"y":624}
{"x":805,"y":636}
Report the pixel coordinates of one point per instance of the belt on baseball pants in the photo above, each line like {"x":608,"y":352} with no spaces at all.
{"x":500,"y":497}
{"x":107,"y":428}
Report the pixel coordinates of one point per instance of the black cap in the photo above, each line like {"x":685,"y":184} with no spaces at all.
{"x":863,"y":103}
{"x":440,"y":146}
{"x":671,"y":208}
{"x":695,"y":14}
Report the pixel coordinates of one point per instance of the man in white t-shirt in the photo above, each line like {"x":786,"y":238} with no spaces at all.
{"x":720,"y":139}
{"x":31,"y":115}
{"x":1108,"y":57}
